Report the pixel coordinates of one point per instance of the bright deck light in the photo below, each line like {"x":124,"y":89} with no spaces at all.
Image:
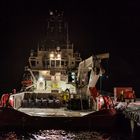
{"x":51,"y":55}
{"x":41,"y":79}
{"x":101,"y":100}
{"x":58,"y":55}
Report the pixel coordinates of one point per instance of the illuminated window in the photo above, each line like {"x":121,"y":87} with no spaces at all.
{"x":71,"y":77}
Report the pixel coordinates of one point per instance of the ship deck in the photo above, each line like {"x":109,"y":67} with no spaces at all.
{"x":132,"y":111}
{"x":53,"y":112}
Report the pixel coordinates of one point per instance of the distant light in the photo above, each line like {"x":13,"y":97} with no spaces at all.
{"x":51,"y":13}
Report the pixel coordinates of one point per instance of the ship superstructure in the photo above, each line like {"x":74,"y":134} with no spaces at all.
{"x":57,"y":76}
{"x":53,"y":67}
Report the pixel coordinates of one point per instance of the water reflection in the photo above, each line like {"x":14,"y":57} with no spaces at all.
{"x":61,"y":135}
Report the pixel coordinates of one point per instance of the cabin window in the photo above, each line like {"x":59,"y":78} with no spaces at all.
{"x":52,"y":63}
{"x":57,"y":63}
{"x":33,"y":63}
{"x":62,"y":63}
{"x":66,"y":63}
{"x":48,"y":63}
{"x":43,"y":63}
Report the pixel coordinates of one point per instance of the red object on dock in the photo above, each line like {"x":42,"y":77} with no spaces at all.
{"x":124,"y":93}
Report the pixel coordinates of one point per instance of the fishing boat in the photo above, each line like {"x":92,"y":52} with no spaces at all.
{"x":58,"y":87}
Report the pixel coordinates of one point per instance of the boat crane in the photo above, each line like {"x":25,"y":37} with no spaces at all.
{"x":89,"y":71}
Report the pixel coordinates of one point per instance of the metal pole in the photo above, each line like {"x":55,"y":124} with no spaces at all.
{"x":81,"y":100}
{"x":101,"y":83}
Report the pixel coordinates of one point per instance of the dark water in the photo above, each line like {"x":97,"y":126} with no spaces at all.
{"x":62,"y":135}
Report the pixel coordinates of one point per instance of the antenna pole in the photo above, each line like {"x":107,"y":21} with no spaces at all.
{"x":67,"y":36}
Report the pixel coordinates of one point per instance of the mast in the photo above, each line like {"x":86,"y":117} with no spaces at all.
{"x":67,"y":35}
{"x":57,"y":30}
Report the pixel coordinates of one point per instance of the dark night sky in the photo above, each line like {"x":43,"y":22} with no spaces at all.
{"x":95,"y":27}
